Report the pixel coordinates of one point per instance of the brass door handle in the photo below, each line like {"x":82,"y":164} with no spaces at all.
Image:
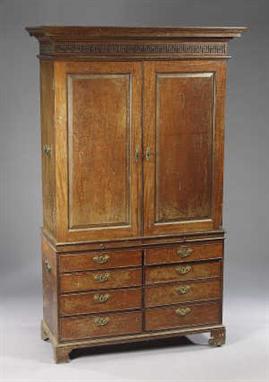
{"x":183,"y":289}
{"x":183,"y":269}
{"x":101,"y":321}
{"x":101,"y":259}
{"x":183,"y":311}
{"x":102,"y":277}
{"x":147,"y":156}
{"x":184,"y":252}
{"x":137,"y":153}
{"x":101,"y":298}
{"x":48,"y":267}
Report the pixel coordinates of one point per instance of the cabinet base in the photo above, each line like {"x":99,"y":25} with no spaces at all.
{"x":63,"y":350}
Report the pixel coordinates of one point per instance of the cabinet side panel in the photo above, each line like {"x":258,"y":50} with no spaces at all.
{"x":50,"y":287}
{"x":47,"y":142}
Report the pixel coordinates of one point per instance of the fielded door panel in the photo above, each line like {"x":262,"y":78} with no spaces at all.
{"x":98,"y":132}
{"x":183,"y":146}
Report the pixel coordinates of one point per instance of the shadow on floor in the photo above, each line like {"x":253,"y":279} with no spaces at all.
{"x":152,"y":344}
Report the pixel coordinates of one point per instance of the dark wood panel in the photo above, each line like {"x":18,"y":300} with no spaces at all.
{"x":98,"y":183}
{"x":186,"y":271}
{"x":99,"y":260}
{"x":72,"y":282}
{"x":180,"y":292}
{"x":99,"y":173}
{"x":182,"y":316}
{"x":101,"y":325}
{"x":183,"y":253}
{"x":104,"y":301}
{"x":184,"y":132}
{"x":183,"y":136}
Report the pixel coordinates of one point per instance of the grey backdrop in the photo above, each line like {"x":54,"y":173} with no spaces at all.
{"x":246,"y":202}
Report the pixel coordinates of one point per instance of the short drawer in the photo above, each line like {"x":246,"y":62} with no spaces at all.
{"x":99,"y":260}
{"x":82,"y":281}
{"x":186,"y":271}
{"x":186,"y":252}
{"x":101,"y":325}
{"x":183,"y":316}
{"x":104,"y":301}
{"x":168,"y":294}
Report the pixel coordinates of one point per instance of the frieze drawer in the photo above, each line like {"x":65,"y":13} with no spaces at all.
{"x":183,"y":253}
{"x":99,"y":260}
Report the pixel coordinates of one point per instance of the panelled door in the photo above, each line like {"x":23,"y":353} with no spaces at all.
{"x":98,"y":136}
{"x":183,"y":145}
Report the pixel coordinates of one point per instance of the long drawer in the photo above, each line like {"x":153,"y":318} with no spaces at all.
{"x":181,"y":253}
{"x":100,"y":325}
{"x":175,"y":293}
{"x":104,"y":301}
{"x":186,"y":271}
{"x":99,"y":260}
{"x":182,"y":316}
{"x":82,"y":281}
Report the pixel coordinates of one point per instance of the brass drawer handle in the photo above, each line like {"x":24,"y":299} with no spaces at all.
{"x":47,"y":150}
{"x":101,"y":298}
{"x":183,"y":311}
{"x":101,"y":321}
{"x":183,"y":269}
{"x":101,"y":259}
{"x":184,"y":252}
{"x":183,"y":289}
{"x":102,"y":277}
{"x":48,"y":267}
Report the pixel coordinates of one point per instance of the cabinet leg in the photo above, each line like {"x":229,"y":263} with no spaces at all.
{"x":217,"y":337}
{"x":43,"y":333}
{"x":61,"y":354}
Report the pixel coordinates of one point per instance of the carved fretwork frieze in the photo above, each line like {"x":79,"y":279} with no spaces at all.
{"x":92,"y":49}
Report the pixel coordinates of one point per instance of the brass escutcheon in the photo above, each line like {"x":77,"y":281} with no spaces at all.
{"x":101,"y":259}
{"x":147,"y":153}
{"x":183,"y":311}
{"x":183,"y":289}
{"x":101,"y":298}
{"x":183,"y":269}
{"x":101,"y":321}
{"x":184,"y":251}
{"x":102,"y":277}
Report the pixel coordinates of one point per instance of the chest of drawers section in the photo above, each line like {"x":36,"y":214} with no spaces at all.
{"x":100,"y":294}
{"x":183,"y":286}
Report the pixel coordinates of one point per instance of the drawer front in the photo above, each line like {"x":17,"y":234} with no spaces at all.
{"x":95,"y":302}
{"x":101,"y":325}
{"x":186,"y":271}
{"x":180,"y":253}
{"x":168,"y":294}
{"x":74,"y":282}
{"x":182,"y":316}
{"x":99,"y":260}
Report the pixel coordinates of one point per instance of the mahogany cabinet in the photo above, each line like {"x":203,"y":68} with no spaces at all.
{"x":132,"y":126}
